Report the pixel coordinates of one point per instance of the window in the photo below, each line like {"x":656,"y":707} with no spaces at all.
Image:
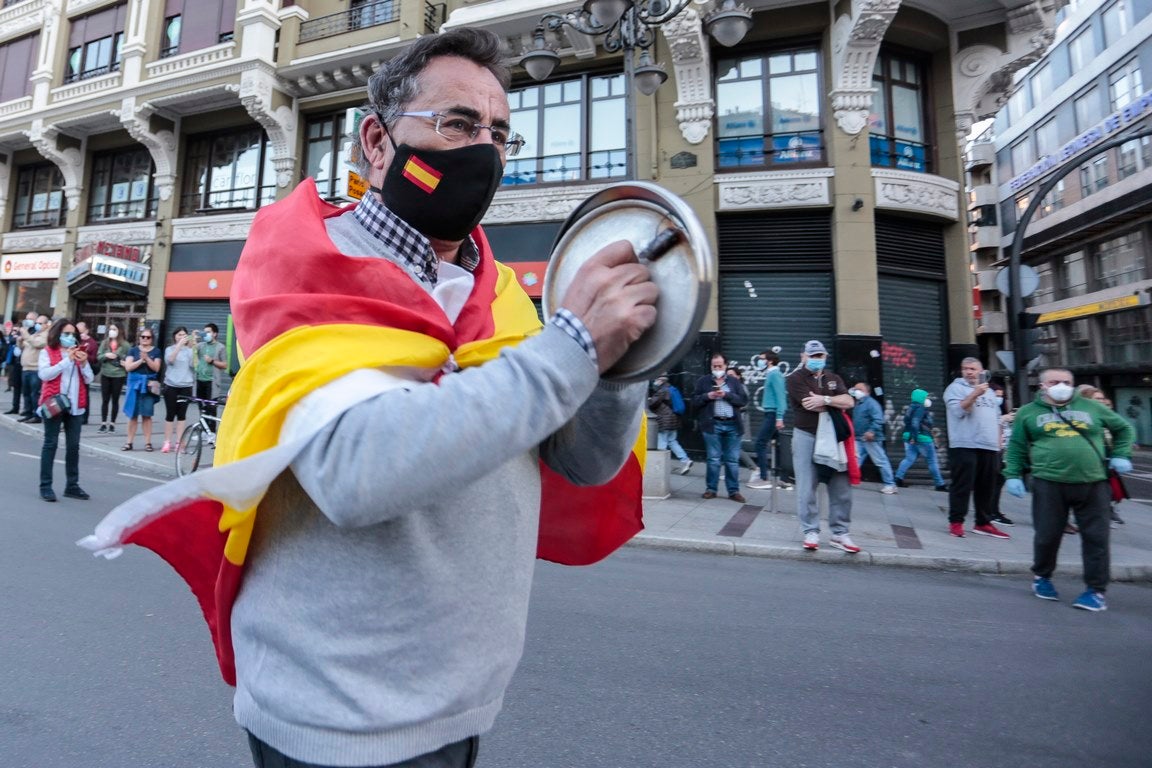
{"x":1046,"y":290}
{"x":1121,"y":260}
{"x":17,"y":59}
{"x":769,"y":110}
{"x":207,"y":23}
{"x":1128,"y":336}
{"x":121,"y":186}
{"x":1088,"y":110}
{"x":1073,"y":275}
{"x":228,"y":171}
{"x":1094,"y":176}
{"x":573,"y":131}
{"x":1040,"y":84}
{"x":39,"y":197}
{"x":1023,"y":157}
{"x":1047,"y":139}
{"x":898,"y":122}
{"x":1133,"y":156}
{"x":1022,"y":204}
{"x":1115,"y":19}
{"x":1018,"y":106}
{"x":323,"y":151}
{"x":369,"y":13}
{"x":1052,"y":202}
{"x":1125,"y":85}
{"x":94,"y":43}
{"x":1082,"y":49}
{"x":1079,"y":337}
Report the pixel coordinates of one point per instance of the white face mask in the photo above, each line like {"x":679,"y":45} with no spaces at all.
{"x":927,"y":402}
{"x":856,"y":393}
{"x":717,"y":373}
{"x":113,"y":333}
{"x":1061,"y":393}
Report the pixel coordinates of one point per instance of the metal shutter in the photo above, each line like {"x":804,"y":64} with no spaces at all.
{"x":193,"y":315}
{"x":909,"y":247}
{"x":792,"y":241}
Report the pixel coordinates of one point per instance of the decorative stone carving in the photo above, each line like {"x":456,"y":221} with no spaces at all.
{"x":918,"y":192}
{"x":553,"y":204}
{"x":76,"y":7}
{"x":695,"y":106}
{"x":774,"y":189}
{"x":194,"y":60}
{"x":133,"y":233}
{"x":87,"y":87}
{"x":161,"y":144}
{"x":209,"y":229}
{"x":856,"y":38}
{"x":982,"y":74}
{"x":22,"y":18}
{"x":36,"y":240}
{"x":258,"y":87}
{"x":70,"y":161}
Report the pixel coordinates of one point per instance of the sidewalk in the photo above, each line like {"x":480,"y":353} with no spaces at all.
{"x":909,"y":529}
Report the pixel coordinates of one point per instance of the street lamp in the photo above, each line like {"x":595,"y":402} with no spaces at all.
{"x":628,"y":26}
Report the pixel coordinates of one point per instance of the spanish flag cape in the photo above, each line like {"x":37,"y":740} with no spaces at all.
{"x":289,"y":281}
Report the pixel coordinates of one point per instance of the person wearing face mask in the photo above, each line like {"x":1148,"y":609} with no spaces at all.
{"x":211,"y":360}
{"x":1060,"y":438}
{"x":33,"y":339}
{"x":1006,"y":419}
{"x":91,"y":348}
{"x":868,"y":426}
{"x":919,"y":440}
{"x":973,"y":449}
{"x":64,"y":370}
{"x":813,"y":390}
{"x":774,"y":403}
{"x":15,"y":370}
{"x":111,"y":355}
{"x":404,"y":437}
{"x":716,"y":400}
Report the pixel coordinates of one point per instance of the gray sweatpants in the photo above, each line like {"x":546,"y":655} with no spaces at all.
{"x":839,"y":491}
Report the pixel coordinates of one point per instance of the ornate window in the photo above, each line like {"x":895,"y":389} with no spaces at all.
{"x":227,"y":171}
{"x":39,"y":197}
{"x":573,"y":131}
{"x":899,"y":123}
{"x":94,"y":43}
{"x":768,"y":110}
{"x":122,"y":186}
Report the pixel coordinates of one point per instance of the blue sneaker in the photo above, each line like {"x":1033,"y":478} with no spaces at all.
{"x":1091,"y":601}
{"x":1043,"y":589}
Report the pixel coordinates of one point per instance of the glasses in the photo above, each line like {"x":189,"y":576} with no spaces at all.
{"x":457,"y":128}
{"x":145,"y":336}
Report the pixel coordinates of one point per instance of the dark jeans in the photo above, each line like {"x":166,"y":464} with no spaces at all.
{"x":16,"y":381}
{"x":973,"y":476}
{"x":723,"y":447}
{"x":110,"y":389}
{"x":71,"y":426}
{"x":763,"y":440}
{"x":204,"y":392}
{"x":31,"y":392}
{"x":462,"y":754}
{"x":1089,"y":502}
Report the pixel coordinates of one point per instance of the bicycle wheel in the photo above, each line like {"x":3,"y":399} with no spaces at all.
{"x":189,"y":451}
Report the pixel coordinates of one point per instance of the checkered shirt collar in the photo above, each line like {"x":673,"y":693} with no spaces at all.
{"x":412,"y":249}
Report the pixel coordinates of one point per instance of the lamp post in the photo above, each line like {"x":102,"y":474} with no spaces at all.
{"x":630,"y":26}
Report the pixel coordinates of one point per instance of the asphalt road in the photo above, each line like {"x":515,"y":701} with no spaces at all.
{"x":648,"y":659}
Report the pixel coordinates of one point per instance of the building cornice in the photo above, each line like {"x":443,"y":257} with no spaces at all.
{"x":33,"y":240}
{"x":538,"y":203}
{"x":917,"y":193}
{"x":212,"y":228}
{"x":802,"y":188}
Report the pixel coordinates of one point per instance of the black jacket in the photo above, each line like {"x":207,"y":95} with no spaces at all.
{"x":737,"y":397}
{"x":660,"y":403}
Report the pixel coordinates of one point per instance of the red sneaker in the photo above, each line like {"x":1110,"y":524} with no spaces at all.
{"x":956,"y":529}
{"x":990,"y":530}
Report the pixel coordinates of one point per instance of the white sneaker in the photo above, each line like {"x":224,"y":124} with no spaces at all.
{"x":758,"y":484}
{"x":888,"y":490}
{"x":812,"y":541}
{"x":685,"y":467}
{"x":783,"y":486}
{"x":844,"y":542}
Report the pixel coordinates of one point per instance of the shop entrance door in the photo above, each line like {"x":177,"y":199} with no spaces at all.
{"x":127,"y":314}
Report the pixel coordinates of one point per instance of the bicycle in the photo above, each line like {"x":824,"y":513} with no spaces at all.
{"x":191,"y":448}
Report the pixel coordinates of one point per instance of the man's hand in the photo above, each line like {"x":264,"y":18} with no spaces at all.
{"x":1122,"y":465}
{"x":779,"y":423}
{"x":1015,"y":486}
{"x":813,"y":402}
{"x":615,"y":298}
{"x":868,"y":436}
{"x":716,"y":394}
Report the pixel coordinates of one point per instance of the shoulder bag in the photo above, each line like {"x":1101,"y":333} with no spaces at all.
{"x":1119,"y":492}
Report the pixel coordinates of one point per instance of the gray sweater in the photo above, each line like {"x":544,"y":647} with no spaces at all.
{"x":977,"y":428}
{"x":386,"y":593}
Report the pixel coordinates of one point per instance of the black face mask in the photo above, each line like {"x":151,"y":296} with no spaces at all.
{"x":442,"y":193}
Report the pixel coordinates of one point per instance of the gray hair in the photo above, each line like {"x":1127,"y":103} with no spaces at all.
{"x":397,"y":82}
{"x":976,"y":360}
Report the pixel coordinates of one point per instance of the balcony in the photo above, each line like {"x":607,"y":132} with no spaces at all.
{"x":986,"y":280}
{"x":982,"y":153}
{"x":985,"y":237}
{"x":992,"y":322}
{"x":980,"y":195}
{"x":360,"y":16}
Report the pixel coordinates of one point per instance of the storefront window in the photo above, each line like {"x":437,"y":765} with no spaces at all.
{"x":768,"y":109}
{"x":39,"y":197}
{"x":26,"y":296}
{"x":573,"y":131}
{"x":898,"y":123}
{"x":122,"y":187}
{"x":1122,"y":260}
{"x":228,"y":171}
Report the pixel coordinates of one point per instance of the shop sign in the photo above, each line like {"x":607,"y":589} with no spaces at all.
{"x":113,"y":269}
{"x":1113,"y":123}
{"x":30,"y":266}
{"x":1095,"y":308}
{"x":137,"y":253}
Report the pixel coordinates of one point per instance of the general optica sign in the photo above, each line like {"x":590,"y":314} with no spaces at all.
{"x":30,"y":266}
{"x":1116,"y":121}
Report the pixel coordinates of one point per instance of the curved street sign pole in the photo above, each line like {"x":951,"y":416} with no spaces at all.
{"x":1020,"y":344}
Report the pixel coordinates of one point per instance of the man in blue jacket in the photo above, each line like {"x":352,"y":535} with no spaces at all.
{"x":868,"y":425}
{"x":717,"y":401}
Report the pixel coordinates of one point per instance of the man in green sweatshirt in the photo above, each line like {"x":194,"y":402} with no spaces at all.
{"x":1059,"y":438}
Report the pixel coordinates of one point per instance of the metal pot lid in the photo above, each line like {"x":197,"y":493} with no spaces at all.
{"x":638,"y":212}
